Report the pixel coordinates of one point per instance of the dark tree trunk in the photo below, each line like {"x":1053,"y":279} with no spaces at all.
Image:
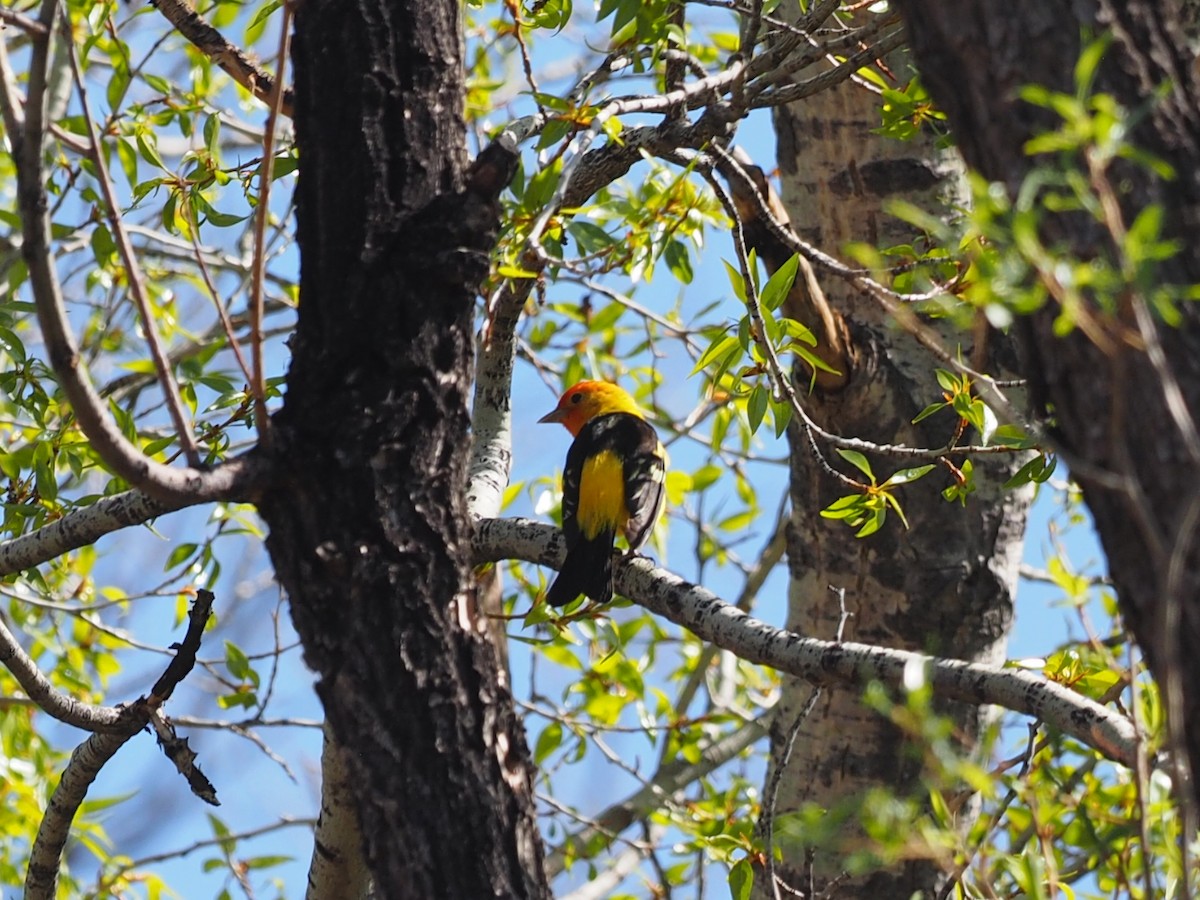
{"x":369,"y":531}
{"x":1125,"y":422}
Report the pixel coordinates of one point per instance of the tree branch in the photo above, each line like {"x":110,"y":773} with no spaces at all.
{"x":231,"y":59}
{"x":258,"y":386}
{"x":158,"y":480}
{"x":491,"y":411}
{"x":61,"y":706}
{"x":133,"y":270}
{"x":45,"y":858}
{"x":32,"y":26}
{"x":822,"y":662}
{"x":240,"y":479}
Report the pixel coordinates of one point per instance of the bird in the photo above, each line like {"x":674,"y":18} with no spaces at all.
{"x":612,"y":482}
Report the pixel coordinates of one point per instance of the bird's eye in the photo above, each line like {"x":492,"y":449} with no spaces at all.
{"x":575,"y":398}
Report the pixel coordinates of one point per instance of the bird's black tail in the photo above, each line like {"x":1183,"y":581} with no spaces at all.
{"x":587,"y":570}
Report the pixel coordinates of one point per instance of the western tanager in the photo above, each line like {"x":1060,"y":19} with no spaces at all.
{"x":613,"y":481}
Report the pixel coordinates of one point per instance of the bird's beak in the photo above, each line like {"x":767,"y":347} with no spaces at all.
{"x":555,"y":415}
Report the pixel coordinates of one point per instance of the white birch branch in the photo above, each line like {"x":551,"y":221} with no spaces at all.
{"x":59,"y":705}
{"x":86,"y":525}
{"x":45,"y":858}
{"x":823,"y":662}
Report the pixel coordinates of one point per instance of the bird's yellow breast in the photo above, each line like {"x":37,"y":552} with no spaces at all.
{"x":602,"y":495}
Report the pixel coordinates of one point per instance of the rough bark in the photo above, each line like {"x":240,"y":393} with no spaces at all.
{"x":945,"y":585}
{"x":368,"y":525}
{"x":1125,"y":421}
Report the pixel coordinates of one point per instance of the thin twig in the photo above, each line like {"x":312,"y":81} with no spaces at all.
{"x":45,"y":858}
{"x":133,"y":269}
{"x":10,"y":99}
{"x":665,"y":103}
{"x":211,"y":287}
{"x":766,"y":823}
{"x":258,"y":388}
{"x":106,"y":881}
{"x":163,"y":482}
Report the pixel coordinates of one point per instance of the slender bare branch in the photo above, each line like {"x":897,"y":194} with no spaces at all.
{"x":10,"y":98}
{"x":32,"y":26}
{"x":491,"y":411}
{"x":240,"y":479}
{"x":133,"y":270}
{"x":670,"y":779}
{"x":258,"y":388}
{"x":211,"y":286}
{"x":766,"y":823}
{"x":61,"y":706}
{"x":106,"y":881}
{"x":160,"y":481}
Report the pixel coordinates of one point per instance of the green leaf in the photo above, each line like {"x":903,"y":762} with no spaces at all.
{"x":813,"y":360}
{"x":874,"y":523}
{"x":12,"y":346}
{"x":149,"y":151}
{"x":949,"y":381}
{"x":738,"y":521}
{"x":845,"y":507}
{"x":236,"y":661}
{"x":547,"y":742}
{"x":590,"y":237}
{"x":857,"y":460}
{"x":508,"y":271}
{"x":783,"y":415}
{"x":43,"y":466}
{"x":212,"y":134}
{"x":263,"y":14}
{"x":118,"y":83}
{"x":678,"y":261}
{"x":552,"y":14}
{"x":721,"y":350}
{"x":736,"y":281}
{"x":157,"y":83}
{"x":1037,"y":470}
{"x":907,"y":476}
{"x":928,"y":411}
{"x":779,"y":284}
{"x":179,"y":554}
{"x":265,"y":862}
{"x":213,"y":216}
{"x":706,"y":476}
{"x":741,"y":880}
{"x":756,"y":406}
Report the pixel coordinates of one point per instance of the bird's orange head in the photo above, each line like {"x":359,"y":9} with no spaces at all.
{"x":588,"y":399}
